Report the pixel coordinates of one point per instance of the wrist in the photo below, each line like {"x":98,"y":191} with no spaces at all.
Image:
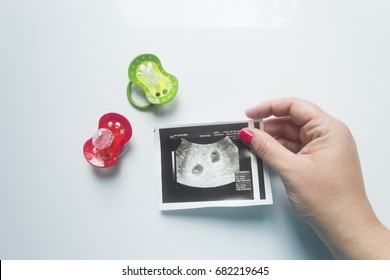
{"x":360,"y":237}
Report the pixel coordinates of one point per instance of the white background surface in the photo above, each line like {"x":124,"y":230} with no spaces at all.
{"x":63,"y":64}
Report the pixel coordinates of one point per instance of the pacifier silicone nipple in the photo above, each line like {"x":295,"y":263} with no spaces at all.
{"x":102,"y":138}
{"x":150,"y":76}
{"x":146,"y":72}
{"x":109,"y":142}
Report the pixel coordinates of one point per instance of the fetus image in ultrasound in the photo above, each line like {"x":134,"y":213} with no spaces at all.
{"x":207,"y":165}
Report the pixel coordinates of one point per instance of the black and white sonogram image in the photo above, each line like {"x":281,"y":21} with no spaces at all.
{"x":207,"y":165}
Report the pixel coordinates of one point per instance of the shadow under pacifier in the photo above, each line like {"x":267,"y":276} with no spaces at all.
{"x":146,"y":72}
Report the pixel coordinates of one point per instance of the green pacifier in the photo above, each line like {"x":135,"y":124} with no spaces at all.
{"x":146,"y":72}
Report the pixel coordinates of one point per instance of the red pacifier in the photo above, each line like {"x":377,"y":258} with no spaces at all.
{"x":109,"y":142}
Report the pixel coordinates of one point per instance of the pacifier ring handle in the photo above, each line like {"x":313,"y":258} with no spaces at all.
{"x":133,"y":102}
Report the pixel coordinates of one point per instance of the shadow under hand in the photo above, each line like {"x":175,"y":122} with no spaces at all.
{"x":299,"y":232}
{"x":311,"y":244}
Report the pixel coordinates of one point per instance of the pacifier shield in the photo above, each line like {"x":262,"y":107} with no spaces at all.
{"x":159,"y":86}
{"x":109,"y":141}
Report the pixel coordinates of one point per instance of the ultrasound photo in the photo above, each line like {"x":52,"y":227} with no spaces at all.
{"x":206,"y":165}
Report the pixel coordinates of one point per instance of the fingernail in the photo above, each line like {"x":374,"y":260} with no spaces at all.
{"x":245,"y":136}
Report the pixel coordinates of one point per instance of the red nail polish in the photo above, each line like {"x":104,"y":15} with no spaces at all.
{"x":245,"y":136}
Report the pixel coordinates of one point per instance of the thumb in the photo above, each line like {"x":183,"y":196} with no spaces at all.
{"x":268,"y":149}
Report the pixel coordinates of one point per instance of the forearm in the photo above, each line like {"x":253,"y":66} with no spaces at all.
{"x":372,"y":244}
{"x":363,"y":237}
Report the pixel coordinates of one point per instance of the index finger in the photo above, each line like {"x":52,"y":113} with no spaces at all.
{"x":300,"y":111}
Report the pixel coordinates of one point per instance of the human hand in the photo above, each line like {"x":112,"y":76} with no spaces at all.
{"x":317,"y":160}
